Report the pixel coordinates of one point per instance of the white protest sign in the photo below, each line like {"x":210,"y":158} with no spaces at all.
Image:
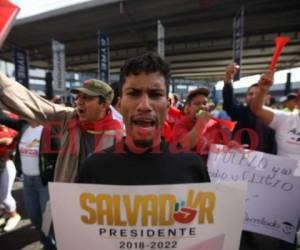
{"x":183,"y":216}
{"x":273,"y":200}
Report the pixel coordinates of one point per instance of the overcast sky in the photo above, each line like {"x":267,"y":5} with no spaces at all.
{"x":34,"y":7}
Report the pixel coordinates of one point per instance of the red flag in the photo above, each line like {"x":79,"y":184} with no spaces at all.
{"x":216,"y":121}
{"x":228,"y":124}
{"x":8,"y":13}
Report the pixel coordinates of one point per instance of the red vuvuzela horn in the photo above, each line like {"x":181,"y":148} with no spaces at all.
{"x":280,"y":42}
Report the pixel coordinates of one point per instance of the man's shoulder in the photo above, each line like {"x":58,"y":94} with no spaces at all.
{"x":179,"y":153}
{"x":184,"y":121}
{"x":103,"y":154}
{"x":168,"y":150}
{"x":283,"y":118}
{"x":189,"y":157}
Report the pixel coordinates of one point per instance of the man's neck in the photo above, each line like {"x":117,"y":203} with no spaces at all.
{"x":100,"y":117}
{"x":140,"y":150}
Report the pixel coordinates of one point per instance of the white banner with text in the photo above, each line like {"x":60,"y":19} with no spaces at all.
{"x":181,"y":216}
{"x":273,"y":200}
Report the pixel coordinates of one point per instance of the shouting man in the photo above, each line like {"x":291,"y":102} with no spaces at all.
{"x":142,"y":157}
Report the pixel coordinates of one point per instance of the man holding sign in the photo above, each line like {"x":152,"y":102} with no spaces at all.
{"x":137,"y":210}
{"x":142,"y":157}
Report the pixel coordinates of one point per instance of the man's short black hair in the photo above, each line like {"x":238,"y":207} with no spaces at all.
{"x":117,"y":92}
{"x":251,"y":86}
{"x":101,"y":99}
{"x":149,"y":62}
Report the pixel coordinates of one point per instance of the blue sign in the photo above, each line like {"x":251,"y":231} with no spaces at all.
{"x":238,"y":33}
{"x":21,"y":67}
{"x":103,"y":57}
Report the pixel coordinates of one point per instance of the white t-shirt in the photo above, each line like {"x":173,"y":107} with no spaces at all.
{"x":29,"y":150}
{"x":287,"y":134}
{"x":117,"y":116}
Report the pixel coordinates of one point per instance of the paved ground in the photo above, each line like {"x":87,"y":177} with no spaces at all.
{"x":24,"y":236}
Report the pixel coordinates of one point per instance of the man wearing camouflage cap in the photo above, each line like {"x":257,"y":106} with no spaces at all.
{"x":87,"y":127}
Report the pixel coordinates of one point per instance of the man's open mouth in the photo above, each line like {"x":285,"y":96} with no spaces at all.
{"x":81,"y":111}
{"x":144,"y":123}
{"x":144,"y":126}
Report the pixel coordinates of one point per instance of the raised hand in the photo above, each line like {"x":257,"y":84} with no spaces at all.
{"x":230,"y":72}
{"x":266,"y":80}
{"x":203,"y":116}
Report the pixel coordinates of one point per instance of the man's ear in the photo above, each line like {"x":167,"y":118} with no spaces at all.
{"x":118,"y":104}
{"x":104,"y":105}
{"x":187,"y":109}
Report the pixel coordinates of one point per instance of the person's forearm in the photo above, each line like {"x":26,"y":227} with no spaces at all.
{"x":23,"y":102}
{"x":258,"y":100}
{"x":229,"y":102}
{"x":227,"y":93}
{"x":190,"y":140}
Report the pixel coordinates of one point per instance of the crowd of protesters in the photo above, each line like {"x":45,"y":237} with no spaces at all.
{"x":48,"y":141}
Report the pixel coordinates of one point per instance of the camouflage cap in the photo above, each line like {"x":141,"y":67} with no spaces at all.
{"x":94,"y":87}
{"x":199,"y":91}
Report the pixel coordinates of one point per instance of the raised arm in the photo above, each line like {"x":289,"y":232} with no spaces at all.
{"x":23,"y":102}
{"x":257,"y":105}
{"x":230,"y":104}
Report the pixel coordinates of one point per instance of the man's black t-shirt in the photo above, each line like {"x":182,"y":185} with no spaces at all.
{"x":150,"y":168}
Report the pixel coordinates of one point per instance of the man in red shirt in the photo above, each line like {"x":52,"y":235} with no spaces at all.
{"x":173,"y":115}
{"x":196,"y":130}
